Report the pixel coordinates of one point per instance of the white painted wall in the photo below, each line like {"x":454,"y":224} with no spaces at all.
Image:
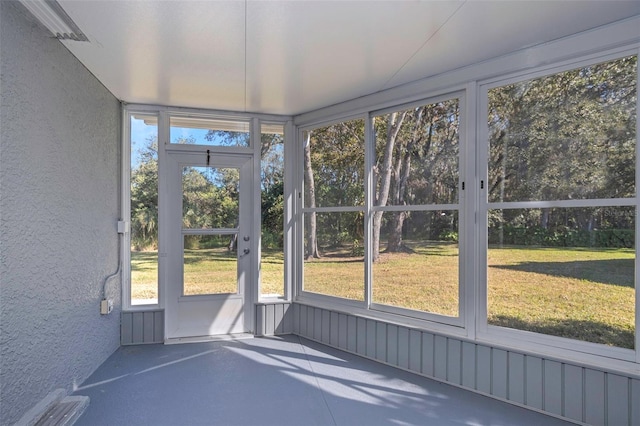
{"x":59,"y":163}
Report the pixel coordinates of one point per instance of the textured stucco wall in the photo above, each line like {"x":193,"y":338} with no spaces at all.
{"x":59,"y":174}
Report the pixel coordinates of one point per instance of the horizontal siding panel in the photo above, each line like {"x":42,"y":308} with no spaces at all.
{"x":469,"y":365}
{"x":594,"y":397}
{"x":533,"y":371}
{"x":269,"y":320}
{"x":334,"y":325}
{"x":381,"y":341}
{"x":361,"y":339}
{"x":415,"y":351}
{"x":499,"y":373}
{"x":483,"y":369}
{"x":300,"y":319}
{"x":392,"y":344}
{"x":342,"y":331}
{"x":295,"y":308}
{"x":427,"y":354}
{"x":454,"y":360}
{"x":141,"y":327}
{"x":403,"y":347}
{"x":126,"y":328}
{"x":573,"y":392}
{"x":516,"y":378}
{"x":260,"y":315}
{"x":138,"y":327}
{"x":316,"y":322}
{"x":325,"y":331}
{"x":352,"y":333}
{"x":371,"y":339}
{"x":288,"y":318}
{"x":278,"y":317}
{"x":148,"y":320}
{"x":635,"y":406}
{"x":618,"y":400}
{"x":158,"y":333}
{"x":553,"y":387}
{"x":440,"y":357}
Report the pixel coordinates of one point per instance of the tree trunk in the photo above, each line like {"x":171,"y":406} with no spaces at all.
{"x":393,"y":128}
{"x":310,"y":196}
{"x":401,"y":176}
{"x":395,"y":243}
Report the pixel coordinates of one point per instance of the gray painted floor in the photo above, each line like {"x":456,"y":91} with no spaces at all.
{"x":277,"y":381}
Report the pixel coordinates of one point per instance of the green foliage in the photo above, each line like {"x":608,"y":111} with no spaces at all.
{"x":564,"y":237}
{"x":273,"y":216}
{"x":144,"y":199}
{"x":447,"y":235}
{"x":565,"y":136}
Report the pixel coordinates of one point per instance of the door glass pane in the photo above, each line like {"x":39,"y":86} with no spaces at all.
{"x":207,"y":131}
{"x":210,"y":197}
{"x":418,"y":264}
{"x":210,"y":264}
{"x":565,"y":272}
{"x":144,"y":210}
{"x":272,"y":200}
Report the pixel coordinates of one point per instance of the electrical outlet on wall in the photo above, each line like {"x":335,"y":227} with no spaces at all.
{"x":106,"y":306}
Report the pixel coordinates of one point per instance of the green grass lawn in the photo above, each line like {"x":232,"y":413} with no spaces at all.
{"x":585,"y":294}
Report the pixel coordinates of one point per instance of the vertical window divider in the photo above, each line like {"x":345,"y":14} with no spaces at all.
{"x":468,"y":208}
{"x":290,"y":179}
{"x":163,"y":226}
{"x":480,"y":210}
{"x":637,"y":204}
{"x":256,"y":244}
{"x":369,"y":155}
{"x":125,"y":206}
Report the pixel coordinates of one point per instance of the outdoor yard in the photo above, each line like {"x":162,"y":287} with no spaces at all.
{"x":586,"y":294}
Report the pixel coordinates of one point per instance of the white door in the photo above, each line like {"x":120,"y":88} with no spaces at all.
{"x":208,"y":245}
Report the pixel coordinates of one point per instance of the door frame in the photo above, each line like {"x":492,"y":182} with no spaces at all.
{"x":177,"y":305}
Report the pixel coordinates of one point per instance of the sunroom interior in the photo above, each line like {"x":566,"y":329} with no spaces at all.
{"x":445,"y":188}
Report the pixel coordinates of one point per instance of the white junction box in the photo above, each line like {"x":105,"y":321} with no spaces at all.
{"x":106,"y":306}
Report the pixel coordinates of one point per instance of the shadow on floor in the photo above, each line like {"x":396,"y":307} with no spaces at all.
{"x":277,"y":381}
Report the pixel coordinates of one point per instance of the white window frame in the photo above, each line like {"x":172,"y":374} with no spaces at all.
{"x":548,"y":59}
{"x":453,"y":325}
{"x":300,"y":294}
{"x":164,"y":114}
{"x":128,"y":113}
{"x":460,"y":320}
{"x":561,"y":347}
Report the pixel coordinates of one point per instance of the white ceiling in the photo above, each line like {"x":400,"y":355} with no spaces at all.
{"x":290,"y":57}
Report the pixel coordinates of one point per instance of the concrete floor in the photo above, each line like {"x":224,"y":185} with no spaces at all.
{"x":277,"y":381}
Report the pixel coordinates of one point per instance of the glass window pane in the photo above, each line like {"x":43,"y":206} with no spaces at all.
{"x":334,"y":254}
{"x":565,"y":272}
{"x":417,"y":155}
{"x":210,"y":265}
{"x":207,"y":131}
{"x":334,"y":165}
{"x":272,"y":188}
{"x":144,"y":210}
{"x":210,"y":197}
{"x":566,"y":136}
{"x":418,"y":264}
